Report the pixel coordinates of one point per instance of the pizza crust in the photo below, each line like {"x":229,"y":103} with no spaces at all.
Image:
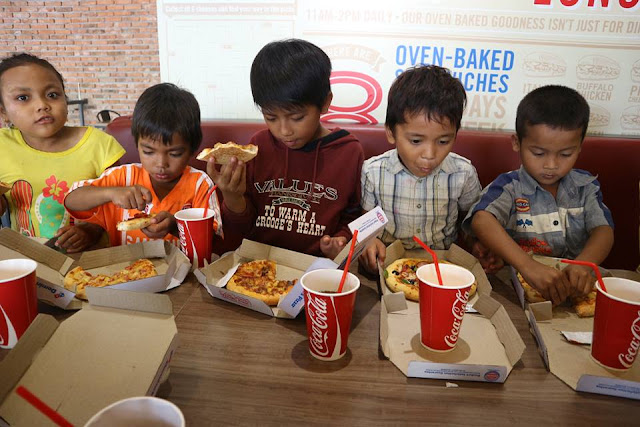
{"x":135,"y":223}
{"x":224,"y":152}
{"x":531,"y":294}
{"x":583,"y":305}
{"x":411,"y":290}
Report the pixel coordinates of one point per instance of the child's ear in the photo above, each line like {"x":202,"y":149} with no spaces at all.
{"x":390,"y":137}
{"x":327,"y":103}
{"x":515,"y":143}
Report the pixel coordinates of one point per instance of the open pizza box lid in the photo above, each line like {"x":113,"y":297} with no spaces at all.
{"x":289,"y":265}
{"x":171,"y":264}
{"x":488,"y":346}
{"x":455,"y":254}
{"x":118,"y":346}
{"x":571,"y":362}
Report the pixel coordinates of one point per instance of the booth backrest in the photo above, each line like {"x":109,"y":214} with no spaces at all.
{"x":615,"y":160}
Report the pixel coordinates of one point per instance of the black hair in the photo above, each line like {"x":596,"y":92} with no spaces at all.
{"x":429,"y":90}
{"x":290,"y":73}
{"x":164,"y":110}
{"x":22,"y":59}
{"x":558,"y":107}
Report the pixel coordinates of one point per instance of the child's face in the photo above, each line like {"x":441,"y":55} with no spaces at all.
{"x":296,"y":127}
{"x":164,"y":162}
{"x":548,"y":154}
{"x":33,"y":100}
{"x":422,"y":143}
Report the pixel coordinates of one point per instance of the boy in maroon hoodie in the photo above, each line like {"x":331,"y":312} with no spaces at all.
{"x":303,"y":188}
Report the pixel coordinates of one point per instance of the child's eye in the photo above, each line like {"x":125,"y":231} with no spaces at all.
{"x":22,"y":97}
{"x":53,"y":95}
{"x":443,"y":142}
{"x":566,"y":154}
{"x":147,"y":153}
{"x":175,"y":154}
{"x":297,"y":118}
{"x":270,"y":119}
{"x":415,"y":141}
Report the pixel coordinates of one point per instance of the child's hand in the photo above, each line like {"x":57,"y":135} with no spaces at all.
{"x":134,"y":197}
{"x":550,"y":282}
{"x":74,"y":238}
{"x":489,"y":261}
{"x":163,"y":224}
{"x":331,"y":246}
{"x":580,"y":279}
{"x":375,"y":249}
{"x":232,"y":182}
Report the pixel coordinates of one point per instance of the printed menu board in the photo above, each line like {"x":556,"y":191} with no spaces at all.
{"x":500,"y":50}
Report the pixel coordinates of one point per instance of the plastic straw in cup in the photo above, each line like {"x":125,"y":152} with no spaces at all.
{"x":433,"y":254}
{"x":588,"y":264}
{"x":206,"y":206}
{"x":354,"y":239}
{"x":43,"y":407}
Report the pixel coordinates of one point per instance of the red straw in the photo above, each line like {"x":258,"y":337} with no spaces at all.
{"x":206,"y":206}
{"x":43,"y":407}
{"x":588,"y":264}
{"x":354,"y":239}
{"x":433,"y":254}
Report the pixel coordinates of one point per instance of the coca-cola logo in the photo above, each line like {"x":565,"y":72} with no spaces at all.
{"x":317,"y":312}
{"x":457,"y":309}
{"x":183,"y":238}
{"x":627,"y":358}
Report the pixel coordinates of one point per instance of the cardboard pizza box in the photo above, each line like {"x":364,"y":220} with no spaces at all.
{"x":571,"y":362}
{"x":118,"y":346}
{"x":172,"y":266}
{"x":289,"y":265}
{"x":455,"y":254}
{"x":488,"y":345}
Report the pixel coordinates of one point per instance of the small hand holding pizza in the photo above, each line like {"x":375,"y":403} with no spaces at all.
{"x":580,"y":278}
{"x":77,"y":238}
{"x":134,"y":197}
{"x":163,"y":224}
{"x":232,"y":182}
{"x":490,"y":262}
{"x":551,"y":283}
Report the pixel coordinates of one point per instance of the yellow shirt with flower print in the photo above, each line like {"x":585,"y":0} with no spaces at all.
{"x":39,"y":180}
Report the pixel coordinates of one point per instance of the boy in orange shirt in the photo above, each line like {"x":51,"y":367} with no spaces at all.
{"x":166,"y":128}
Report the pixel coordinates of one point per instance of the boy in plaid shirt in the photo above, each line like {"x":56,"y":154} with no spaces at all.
{"x":422,"y":186}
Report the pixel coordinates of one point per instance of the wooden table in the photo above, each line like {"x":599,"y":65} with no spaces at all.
{"x":237,"y":366}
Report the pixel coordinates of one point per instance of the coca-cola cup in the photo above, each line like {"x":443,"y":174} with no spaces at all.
{"x":328,"y":313}
{"x":442,"y":308}
{"x":18,"y":299}
{"x":616,"y":326}
{"x":138,"y":411}
{"x":196,"y":234}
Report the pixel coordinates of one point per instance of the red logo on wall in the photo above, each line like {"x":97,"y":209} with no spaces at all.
{"x":357,"y":113}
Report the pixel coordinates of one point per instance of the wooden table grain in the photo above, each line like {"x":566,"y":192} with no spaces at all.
{"x":237,"y":366}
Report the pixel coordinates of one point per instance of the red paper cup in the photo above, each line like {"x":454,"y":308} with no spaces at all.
{"x":328,"y":314}
{"x":442,"y":308}
{"x":196,"y":234}
{"x":616,"y":327}
{"x":18,"y":299}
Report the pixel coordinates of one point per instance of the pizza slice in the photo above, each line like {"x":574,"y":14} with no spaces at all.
{"x":531,"y":294}
{"x":585,"y":305}
{"x":224,"y":152}
{"x":140,"y":220}
{"x":256,"y":279}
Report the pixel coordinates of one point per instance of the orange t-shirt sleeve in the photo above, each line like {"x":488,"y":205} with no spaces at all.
{"x":113,"y":177}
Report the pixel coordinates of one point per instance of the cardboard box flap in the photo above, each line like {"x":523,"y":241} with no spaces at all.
{"x":124,"y":253}
{"x":16,"y":363}
{"x":15,"y":241}
{"x":506,"y":330}
{"x":129,"y":300}
{"x":283,"y":257}
{"x":95,"y":357}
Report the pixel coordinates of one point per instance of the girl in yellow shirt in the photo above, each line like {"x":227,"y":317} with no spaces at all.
{"x":42,"y":156}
